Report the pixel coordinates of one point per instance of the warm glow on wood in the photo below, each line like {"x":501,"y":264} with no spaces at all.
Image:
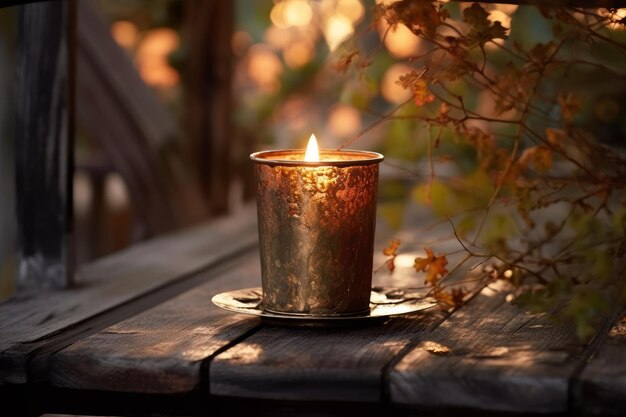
{"x":312,"y":151}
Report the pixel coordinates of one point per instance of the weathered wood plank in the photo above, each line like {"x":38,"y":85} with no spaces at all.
{"x":30,"y":319}
{"x":490,"y":356}
{"x":304,"y":364}
{"x":44,"y":143}
{"x":323,"y":364}
{"x":160,"y":350}
{"x":313,"y":364}
{"x":601,"y":387}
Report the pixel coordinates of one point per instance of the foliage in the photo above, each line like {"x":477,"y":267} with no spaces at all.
{"x":512,"y":131}
{"x":546,"y":201}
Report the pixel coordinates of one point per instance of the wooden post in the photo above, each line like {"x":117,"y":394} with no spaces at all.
{"x":207,"y":79}
{"x":44,"y":143}
{"x":8,"y":27}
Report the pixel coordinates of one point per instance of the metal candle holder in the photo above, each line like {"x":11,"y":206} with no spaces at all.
{"x":316,"y":230}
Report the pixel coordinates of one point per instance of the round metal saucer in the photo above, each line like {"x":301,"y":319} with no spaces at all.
{"x":385,"y":302}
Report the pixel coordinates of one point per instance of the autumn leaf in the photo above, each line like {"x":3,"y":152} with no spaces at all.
{"x":555,"y":137}
{"x":541,"y":54}
{"x":509,"y":82}
{"x":443,"y":296}
{"x":453,"y":298}
{"x":421,"y":17}
{"x":422,"y":94}
{"x":392,"y":249}
{"x":476,"y":16}
{"x":416,"y":82}
{"x":539,"y":157}
{"x":483,"y":30}
{"x":458,"y":296}
{"x":434,"y":266}
{"x":570,"y":105}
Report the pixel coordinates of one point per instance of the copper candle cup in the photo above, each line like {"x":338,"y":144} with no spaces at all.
{"x":316,"y":230}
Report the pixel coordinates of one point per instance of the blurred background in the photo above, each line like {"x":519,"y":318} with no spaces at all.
{"x":173,"y":95}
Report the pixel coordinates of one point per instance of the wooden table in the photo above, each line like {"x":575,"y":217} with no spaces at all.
{"x":139,"y":335}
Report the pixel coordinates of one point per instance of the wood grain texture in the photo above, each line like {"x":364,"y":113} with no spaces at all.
{"x":490,"y":355}
{"x":162,"y":349}
{"x":115,"y":280}
{"x":44,"y":143}
{"x":345,"y":365}
{"x":314,"y":364}
{"x":601,"y":387}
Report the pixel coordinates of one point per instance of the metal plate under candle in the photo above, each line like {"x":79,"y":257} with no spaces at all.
{"x":384,"y":303}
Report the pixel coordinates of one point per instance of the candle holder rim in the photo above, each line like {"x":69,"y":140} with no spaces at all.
{"x":368,"y":158}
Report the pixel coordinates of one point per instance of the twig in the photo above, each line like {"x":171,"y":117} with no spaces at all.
{"x":431,"y":165}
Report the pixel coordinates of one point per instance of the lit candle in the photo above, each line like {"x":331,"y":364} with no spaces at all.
{"x":317,"y":214}
{"x":312,"y":153}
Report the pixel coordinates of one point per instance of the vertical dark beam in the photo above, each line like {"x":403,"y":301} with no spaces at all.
{"x":44,"y":143}
{"x":8,"y":44}
{"x":208,"y":76}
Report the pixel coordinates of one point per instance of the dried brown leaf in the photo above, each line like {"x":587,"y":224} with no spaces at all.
{"x":434,"y":266}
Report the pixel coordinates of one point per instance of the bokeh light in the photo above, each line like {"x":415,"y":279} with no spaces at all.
{"x":290,"y":13}
{"x":399,"y":40}
{"x":344,"y":121}
{"x":508,"y":9}
{"x":240,"y":42}
{"x":297,"y":12}
{"x":116,"y":192}
{"x":277,"y":15}
{"x":298,"y":53}
{"x":152,"y":55}
{"x":264,"y":68}
{"x":352,"y":9}
{"x":389,"y":88}
{"x":337,"y":29}
{"x":125,"y":33}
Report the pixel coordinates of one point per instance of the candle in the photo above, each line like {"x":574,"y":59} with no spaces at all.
{"x":317,"y":214}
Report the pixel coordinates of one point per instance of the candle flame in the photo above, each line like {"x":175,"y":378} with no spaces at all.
{"x":312,"y":151}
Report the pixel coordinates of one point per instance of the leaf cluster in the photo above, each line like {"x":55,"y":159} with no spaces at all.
{"x":538,"y":194}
